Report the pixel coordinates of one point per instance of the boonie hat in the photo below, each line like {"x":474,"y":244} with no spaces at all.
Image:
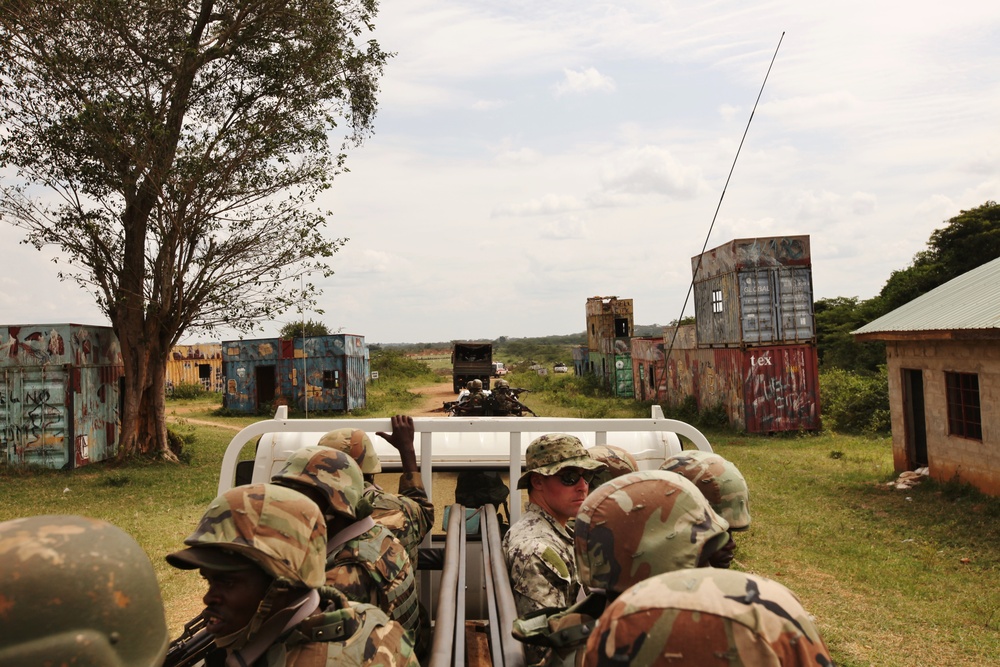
{"x":550,"y":453}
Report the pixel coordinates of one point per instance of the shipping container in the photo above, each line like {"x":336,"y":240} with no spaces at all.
{"x":754,"y":292}
{"x":761,"y":389}
{"x":60,"y":394}
{"x":200,"y":363}
{"x":320,"y":373}
{"x":609,"y":329}
{"x":648,"y":374}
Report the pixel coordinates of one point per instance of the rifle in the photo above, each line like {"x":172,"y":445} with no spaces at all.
{"x":192,"y":646}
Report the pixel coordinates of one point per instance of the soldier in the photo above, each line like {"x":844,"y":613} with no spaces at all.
{"x":364,"y":560}
{"x":261,"y":549}
{"x":630,"y":528}
{"x":618,"y":462}
{"x":695,"y":618}
{"x":721,"y":482}
{"x":408,"y":514}
{"x":76,"y":591}
{"x":538,"y":548}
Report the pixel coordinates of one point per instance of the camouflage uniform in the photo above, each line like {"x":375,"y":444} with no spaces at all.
{"x":633,"y":527}
{"x":283,"y":533}
{"x":618,"y":461}
{"x":706,"y":617}
{"x":371,"y":566}
{"x":719,"y":480}
{"x":410,"y":514}
{"x":76,"y":591}
{"x":539,"y":550}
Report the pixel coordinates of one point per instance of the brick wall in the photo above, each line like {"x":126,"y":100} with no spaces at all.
{"x":973,"y":461}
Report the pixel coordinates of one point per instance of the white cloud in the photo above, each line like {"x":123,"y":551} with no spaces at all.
{"x":565,"y":228}
{"x":584,"y":81}
{"x":544,"y":205}
{"x":652,"y":170}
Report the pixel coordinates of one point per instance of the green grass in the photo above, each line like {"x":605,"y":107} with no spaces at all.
{"x":882,"y":570}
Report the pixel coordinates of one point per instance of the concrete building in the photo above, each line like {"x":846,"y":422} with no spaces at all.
{"x":943,"y":355}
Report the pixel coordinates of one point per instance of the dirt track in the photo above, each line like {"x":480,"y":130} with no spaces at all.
{"x":434,"y":396}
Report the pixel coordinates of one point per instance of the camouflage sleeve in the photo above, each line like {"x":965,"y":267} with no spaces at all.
{"x":390,"y":646}
{"x":412,"y":488}
{"x":354,"y":582}
{"x":540,"y":578}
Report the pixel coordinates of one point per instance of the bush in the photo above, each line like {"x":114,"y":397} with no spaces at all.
{"x":854,"y":402}
{"x":186,"y":390}
{"x":395,"y":364}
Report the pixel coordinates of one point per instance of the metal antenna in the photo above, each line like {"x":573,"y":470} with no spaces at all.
{"x":697,"y":268}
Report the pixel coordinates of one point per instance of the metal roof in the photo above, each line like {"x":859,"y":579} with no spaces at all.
{"x":969,"y":302}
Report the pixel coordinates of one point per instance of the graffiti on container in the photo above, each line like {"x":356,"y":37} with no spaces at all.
{"x":778,"y":392}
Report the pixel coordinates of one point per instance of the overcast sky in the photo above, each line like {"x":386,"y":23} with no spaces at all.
{"x":528,"y":155}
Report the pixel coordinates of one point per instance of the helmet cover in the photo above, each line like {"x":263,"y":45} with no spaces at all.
{"x":642,"y":524}
{"x":278,"y":528}
{"x":707,"y":616}
{"x":356,"y":443}
{"x":77,"y":591}
{"x":719,"y":480}
{"x":331,"y":472}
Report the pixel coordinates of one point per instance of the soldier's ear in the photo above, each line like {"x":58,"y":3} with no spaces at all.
{"x":535,"y":481}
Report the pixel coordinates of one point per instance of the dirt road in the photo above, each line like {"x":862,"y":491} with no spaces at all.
{"x":434,"y":396}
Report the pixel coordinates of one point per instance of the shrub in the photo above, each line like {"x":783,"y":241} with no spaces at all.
{"x":395,"y":364}
{"x":186,"y":390}
{"x":854,"y":402}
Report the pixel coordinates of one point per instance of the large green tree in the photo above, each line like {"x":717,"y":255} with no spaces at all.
{"x":173,"y":151}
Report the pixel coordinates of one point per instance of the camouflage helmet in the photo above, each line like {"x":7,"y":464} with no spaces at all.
{"x":705,"y":617}
{"x":550,"y":453}
{"x":641,"y":524}
{"x":356,"y":443}
{"x":477,"y":384}
{"x":279,"y":529}
{"x":618,"y":461}
{"x":77,"y":591}
{"x":719,"y":480}
{"x":502,"y":384}
{"x":333,"y":473}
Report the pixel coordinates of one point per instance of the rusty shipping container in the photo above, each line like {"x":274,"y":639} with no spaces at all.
{"x":321,"y":373}
{"x":60,"y":389}
{"x":609,"y":328}
{"x":649,"y":379}
{"x":200,"y":363}
{"x":754,"y":292}
{"x":762,"y":389}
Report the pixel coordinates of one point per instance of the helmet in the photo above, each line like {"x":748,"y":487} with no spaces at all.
{"x":77,"y":591}
{"x":697,"y":617}
{"x":331,"y":472}
{"x":618,"y":461}
{"x":477,"y":384}
{"x":641,"y":524}
{"x":502,"y":384}
{"x":719,"y":480}
{"x":279,"y":529}
{"x":548,"y":454}
{"x":468,"y":385}
{"x":356,"y":443}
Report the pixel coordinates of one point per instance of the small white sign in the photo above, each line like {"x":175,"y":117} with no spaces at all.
{"x":374,"y":375}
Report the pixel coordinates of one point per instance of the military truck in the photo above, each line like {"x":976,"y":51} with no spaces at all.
{"x":471,"y":361}
{"x":462,"y":574}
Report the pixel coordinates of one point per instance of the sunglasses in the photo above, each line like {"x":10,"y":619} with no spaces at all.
{"x":571,"y":477}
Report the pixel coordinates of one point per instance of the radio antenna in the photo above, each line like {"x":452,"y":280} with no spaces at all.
{"x":697,"y":268}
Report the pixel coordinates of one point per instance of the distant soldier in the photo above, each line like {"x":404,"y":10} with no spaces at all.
{"x":722,"y":484}
{"x":410,"y":514}
{"x":364,"y":560}
{"x":617,"y":462}
{"x":630,"y":528}
{"x":261,"y":549}
{"x":76,"y":591}
{"x":538,"y":548}
{"x":694,"y":618}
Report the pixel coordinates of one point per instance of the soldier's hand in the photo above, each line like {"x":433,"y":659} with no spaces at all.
{"x":402,"y":439}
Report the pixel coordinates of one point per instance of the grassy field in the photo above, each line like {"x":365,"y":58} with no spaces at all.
{"x":894,"y":578}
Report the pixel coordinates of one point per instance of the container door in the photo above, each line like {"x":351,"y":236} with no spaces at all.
{"x":757,"y":306}
{"x":795,"y":304}
{"x":35,"y":424}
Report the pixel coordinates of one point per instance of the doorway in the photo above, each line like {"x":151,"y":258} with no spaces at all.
{"x":266,"y":381}
{"x":914,"y":418}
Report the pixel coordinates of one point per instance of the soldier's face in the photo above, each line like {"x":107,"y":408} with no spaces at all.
{"x":232,"y":598}
{"x":561,"y":500}
{"x":721,"y":558}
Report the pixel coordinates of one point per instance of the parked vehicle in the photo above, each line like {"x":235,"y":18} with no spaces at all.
{"x":499,"y":370}
{"x":560,"y":368}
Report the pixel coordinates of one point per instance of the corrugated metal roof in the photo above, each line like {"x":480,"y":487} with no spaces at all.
{"x":970,"y":301}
